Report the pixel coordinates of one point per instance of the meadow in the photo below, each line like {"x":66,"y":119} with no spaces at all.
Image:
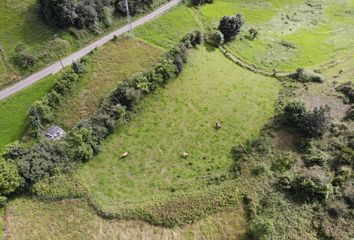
{"x":110,"y":65}
{"x":14,"y":110}
{"x":181,"y":118}
{"x":167,"y":30}
{"x":78,"y":221}
{"x":292,"y":34}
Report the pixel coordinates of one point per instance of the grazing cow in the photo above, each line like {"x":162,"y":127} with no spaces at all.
{"x":218,"y":125}
{"x":254,"y":33}
{"x":184,"y":155}
{"x":124,"y":155}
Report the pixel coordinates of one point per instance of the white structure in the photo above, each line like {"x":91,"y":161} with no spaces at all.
{"x":54,"y":132}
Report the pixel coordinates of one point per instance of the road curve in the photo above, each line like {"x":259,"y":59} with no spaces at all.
{"x":56,"y":67}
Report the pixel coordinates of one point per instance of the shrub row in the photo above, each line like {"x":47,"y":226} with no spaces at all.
{"x":42,"y":112}
{"x":47,"y":158}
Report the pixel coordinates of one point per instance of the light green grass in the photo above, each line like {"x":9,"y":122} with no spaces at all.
{"x":75,"y":220}
{"x":111,"y":64}
{"x":13,"y":110}
{"x":167,"y":30}
{"x":256,"y":11}
{"x":20,"y":24}
{"x":181,"y":118}
{"x":318,"y":35}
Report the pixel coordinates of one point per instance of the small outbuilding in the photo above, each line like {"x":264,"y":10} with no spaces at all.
{"x":54,"y":133}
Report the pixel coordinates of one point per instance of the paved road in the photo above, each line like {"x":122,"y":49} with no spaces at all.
{"x":56,"y":67}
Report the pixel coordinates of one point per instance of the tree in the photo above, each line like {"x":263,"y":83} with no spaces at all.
{"x":200,"y":2}
{"x":217,"y":38}
{"x":315,"y":123}
{"x":293,"y":113}
{"x":58,"y":12}
{"x":9,"y":177}
{"x":230,"y":27}
{"x":39,"y":114}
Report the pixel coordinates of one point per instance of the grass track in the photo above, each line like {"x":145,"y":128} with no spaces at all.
{"x":181,"y":118}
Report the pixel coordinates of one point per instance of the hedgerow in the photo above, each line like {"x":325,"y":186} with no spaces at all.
{"x":42,"y":112}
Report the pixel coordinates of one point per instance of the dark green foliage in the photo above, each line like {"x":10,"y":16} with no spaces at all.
{"x":283,"y":162}
{"x":22,"y":58}
{"x":81,"y":14}
{"x":306,"y":76}
{"x":315,"y":156}
{"x":260,"y":228}
{"x":217,"y":38}
{"x":315,"y":123}
{"x":230,"y":27}
{"x":192,"y":39}
{"x":259,"y":169}
{"x":82,"y":145}
{"x":307,"y":188}
{"x":58,"y":12}
{"x":350,"y":114}
{"x":40,"y":114}
{"x":15,"y":150}
{"x":311,"y":123}
{"x":79,"y":66}
{"x":200,"y":2}
{"x":348,"y":90}
{"x":135,"y":6}
{"x":44,"y":160}
{"x":9,"y":177}
{"x":293,"y":113}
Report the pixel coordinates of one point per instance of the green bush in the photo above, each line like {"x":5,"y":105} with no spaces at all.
{"x":293,"y":113}
{"x":15,"y":150}
{"x":260,"y":228}
{"x":348,"y":90}
{"x":22,"y":58}
{"x":283,"y":162}
{"x":9,"y":178}
{"x":307,"y":188}
{"x":315,"y":123}
{"x":217,"y":38}
{"x":312,"y":123}
{"x":40,"y":113}
{"x":200,"y":2}
{"x":44,"y":160}
{"x":230,"y":27}
{"x":192,"y":39}
{"x":316,"y":156}
{"x":82,"y":145}
{"x":308,"y":76}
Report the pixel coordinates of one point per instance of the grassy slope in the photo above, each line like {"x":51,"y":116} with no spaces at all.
{"x":20,"y":24}
{"x":51,"y":220}
{"x":159,"y":31}
{"x":111,"y":64}
{"x":181,"y":118}
{"x":318,"y":35}
{"x":13,"y":110}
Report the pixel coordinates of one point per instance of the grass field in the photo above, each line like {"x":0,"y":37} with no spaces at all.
{"x":167,"y":30}
{"x":75,"y":220}
{"x":111,"y":64}
{"x":292,"y":34}
{"x":181,"y":118}
{"x":20,"y":24}
{"x":13,"y":110}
